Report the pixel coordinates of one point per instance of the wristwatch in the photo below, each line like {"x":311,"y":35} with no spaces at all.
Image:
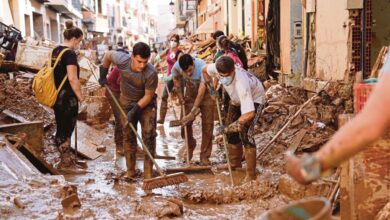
{"x":310,"y":168}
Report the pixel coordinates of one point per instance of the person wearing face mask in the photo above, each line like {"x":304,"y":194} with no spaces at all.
{"x":138,"y":84}
{"x":172,"y":56}
{"x":189,"y":70}
{"x":246,"y":94}
{"x":66,"y":105}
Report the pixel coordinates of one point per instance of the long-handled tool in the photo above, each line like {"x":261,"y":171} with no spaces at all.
{"x":170,"y":106}
{"x":163,"y":179}
{"x":225,"y":143}
{"x":189,"y":168}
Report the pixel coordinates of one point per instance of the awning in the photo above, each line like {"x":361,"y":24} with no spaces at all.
{"x":206,"y":27}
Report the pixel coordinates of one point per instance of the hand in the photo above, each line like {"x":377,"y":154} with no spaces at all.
{"x":133,"y":112}
{"x":219,"y":130}
{"x":214,"y":93}
{"x":103,"y":71}
{"x":191,"y":116}
{"x":157,"y":59}
{"x":295,"y":167}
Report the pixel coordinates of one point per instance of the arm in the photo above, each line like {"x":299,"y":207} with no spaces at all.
{"x":74,"y":81}
{"x":246,"y":118}
{"x":206,"y":76}
{"x":365,"y":128}
{"x":144,"y":101}
{"x":107,"y":59}
{"x":199,"y":97}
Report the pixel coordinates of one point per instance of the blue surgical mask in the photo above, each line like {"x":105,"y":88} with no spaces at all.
{"x":226,"y":80}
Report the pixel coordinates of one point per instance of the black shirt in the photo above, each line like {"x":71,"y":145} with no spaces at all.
{"x":68,"y":58}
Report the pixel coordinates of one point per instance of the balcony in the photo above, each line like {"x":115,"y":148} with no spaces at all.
{"x":88,"y":17}
{"x":68,"y":7}
{"x":88,"y":5}
{"x":100,"y":26}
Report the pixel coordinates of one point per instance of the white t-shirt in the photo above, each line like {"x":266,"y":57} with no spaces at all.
{"x":245,"y":90}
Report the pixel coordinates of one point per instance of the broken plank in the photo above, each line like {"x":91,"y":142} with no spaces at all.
{"x":297,"y":140}
{"x":15,"y":116}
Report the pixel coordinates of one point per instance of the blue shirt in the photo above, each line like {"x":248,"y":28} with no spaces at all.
{"x":197,"y":75}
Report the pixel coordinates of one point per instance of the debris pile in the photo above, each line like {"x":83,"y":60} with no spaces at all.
{"x":312,"y":127}
{"x":16,"y":95}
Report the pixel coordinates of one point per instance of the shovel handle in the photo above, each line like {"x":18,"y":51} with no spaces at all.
{"x":225,"y":143}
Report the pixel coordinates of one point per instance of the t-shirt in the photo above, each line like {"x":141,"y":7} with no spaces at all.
{"x":197,"y":75}
{"x":171,"y":60}
{"x":68,"y":58}
{"x":134,"y":84}
{"x":245,"y":90}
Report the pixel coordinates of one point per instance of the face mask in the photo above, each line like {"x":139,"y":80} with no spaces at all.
{"x":173,"y":44}
{"x":226,"y":80}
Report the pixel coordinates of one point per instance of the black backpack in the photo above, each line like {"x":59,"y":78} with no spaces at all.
{"x":237,"y":48}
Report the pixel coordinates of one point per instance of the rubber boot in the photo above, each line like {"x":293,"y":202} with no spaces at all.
{"x":235,"y":155}
{"x":163,"y":112}
{"x":130,"y":163}
{"x":148,"y":168}
{"x":250,"y":157}
{"x":66,"y":156}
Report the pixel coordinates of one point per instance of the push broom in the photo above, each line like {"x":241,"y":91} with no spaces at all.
{"x":157,"y":182}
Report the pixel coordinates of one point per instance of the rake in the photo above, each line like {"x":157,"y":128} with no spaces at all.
{"x":157,"y":182}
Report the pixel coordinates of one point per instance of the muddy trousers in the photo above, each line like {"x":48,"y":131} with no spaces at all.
{"x":164,"y":101}
{"x":237,"y":142}
{"x":65,"y":110}
{"x":207,"y":117}
{"x":147,"y":119}
{"x":118,"y":133}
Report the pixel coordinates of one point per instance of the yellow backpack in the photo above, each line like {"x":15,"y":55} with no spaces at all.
{"x":44,"y":86}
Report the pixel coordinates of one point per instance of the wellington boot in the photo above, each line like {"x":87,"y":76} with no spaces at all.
{"x":205,"y":161}
{"x":235,"y":155}
{"x":148,"y":169}
{"x":250,"y":157}
{"x":130,"y":163}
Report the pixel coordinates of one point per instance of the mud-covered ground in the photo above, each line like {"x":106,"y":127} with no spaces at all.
{"x":105,"y":194}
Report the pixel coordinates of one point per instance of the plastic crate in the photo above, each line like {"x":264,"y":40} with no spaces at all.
{"x":362,"y":92}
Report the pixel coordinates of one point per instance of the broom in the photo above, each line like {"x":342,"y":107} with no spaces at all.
{"x":157,"y":182}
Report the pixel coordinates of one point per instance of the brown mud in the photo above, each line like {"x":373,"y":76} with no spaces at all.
{"x":104,"y":192}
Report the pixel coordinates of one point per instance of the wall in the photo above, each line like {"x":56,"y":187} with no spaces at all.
{"x":285,"y":35}
{"x":233,"y":19}
{"x":331,"y":39}
{"x":380,"y":27}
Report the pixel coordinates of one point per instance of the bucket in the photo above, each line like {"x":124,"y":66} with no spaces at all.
{"x":312,"y":208}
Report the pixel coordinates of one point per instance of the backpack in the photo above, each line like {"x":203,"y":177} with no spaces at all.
{"x":237,"y":48}
{"x":44,"y":86}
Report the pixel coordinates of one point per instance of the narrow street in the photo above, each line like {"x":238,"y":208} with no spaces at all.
{"x":195,"y":109}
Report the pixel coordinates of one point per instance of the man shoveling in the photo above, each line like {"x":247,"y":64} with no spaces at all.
{"x":246,"y":94}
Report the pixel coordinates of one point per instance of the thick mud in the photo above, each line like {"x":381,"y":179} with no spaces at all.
{"x":105,"y":193}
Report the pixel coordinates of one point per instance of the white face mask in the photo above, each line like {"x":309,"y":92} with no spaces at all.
{"x":173,"y":44}
{"x":227,"y":80}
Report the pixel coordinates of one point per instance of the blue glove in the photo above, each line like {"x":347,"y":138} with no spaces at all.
{"x":133,"y":112}
{"x":166,"y":78}
{"x":103,"y":71}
